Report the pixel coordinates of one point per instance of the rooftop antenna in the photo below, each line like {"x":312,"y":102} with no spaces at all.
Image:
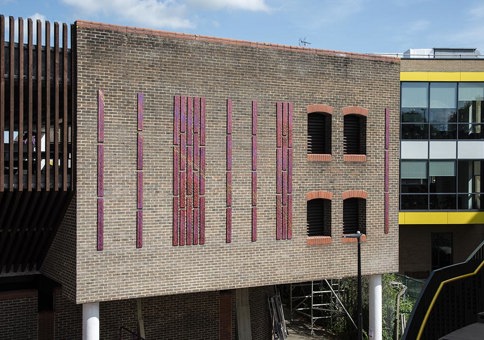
{"x":303,"y":42}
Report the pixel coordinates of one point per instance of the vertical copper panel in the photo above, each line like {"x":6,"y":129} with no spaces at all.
{"x":254,"y":117}
{"x":284,"y":154}
{"x":254,"y":153}
{"x":30,"y":108}
{"x":20,"y":92}
{"x":229,"y":188}
{"x":176,"y":176}
{"x":196,"y":189}
{"x":279,"y":171}
{"x":12,"y":103}
{"x":279,"y":125}
{"x":228,"y":225}
{"x":196,"y":223}
{"x":196,"y":152}
{"x":254,"y":224}
{"x":290,"y":124}
{"x":176,"y":121}
{"x":229,"y":116}
{"x":202,"y":220}
{"x":387,"y":213}
{"x":189,"y":129}
{"x":387,"y":129}
{"x":100,"y":223}
{"x":56,"y":104}
{"x":39,"y":172}
{"x":2,"y":100}
{"x":66,"y":108}
{"x":228,"y":165}
{"x":100,"y":170}
{"x":202,"y":121}
{"x":183,"y":219}
{"x":100,"y":116}
{"x":386,"y":185}
{"x":289,"y":217}
{"x":278,"y":217}
{"x":254,"y":188}
{"x":289,"y":171}
{"x":183,"y":152}
{"x":183,"y":114}
{"x":140,"y":190}
{"x":139,"y":229}
{"x":140,"y":152}
{"x":196,"y":115}
{"x":189,"y":215}
{"x":140,"y":111}
{"x":285,"y":115}
{"x":48,"y":105}
{"x":284,"y":221}
{"x":189,"y":170}
{"x":284,"y":188}
{"x":202,"y":171}
{"x":176,"y":221}
{"x":183,"y":176}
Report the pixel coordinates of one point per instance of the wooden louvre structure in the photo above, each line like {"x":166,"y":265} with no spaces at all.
{"x":36,"y":139}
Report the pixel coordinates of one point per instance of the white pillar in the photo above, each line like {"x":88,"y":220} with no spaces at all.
{"x":375,"y":297}
{"x":90,"y":321}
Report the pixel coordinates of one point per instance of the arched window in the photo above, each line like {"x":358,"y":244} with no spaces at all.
{"x":319,"y":217}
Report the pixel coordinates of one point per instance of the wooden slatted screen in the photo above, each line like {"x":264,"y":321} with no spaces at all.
{"x":319,"y":133}
{"x":354,"y":135}
{"x":354,"y":215}
{"x":319,"y":217}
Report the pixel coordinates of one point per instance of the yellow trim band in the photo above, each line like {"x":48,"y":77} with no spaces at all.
{"x":445,"y":217}
{"x":434,"y":299}
{"x":442,"y":76}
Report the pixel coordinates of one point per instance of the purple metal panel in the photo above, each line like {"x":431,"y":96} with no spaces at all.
{"x":140,"y":111}
{"x":279,"y":125}
{"x":140,"y":191}
{"x":285,"y":115}
{"x":387,"y":129}
{"x":229,"y":153}
{"x":228,"y":225}
{"x":190,"y":170}
{"x":189,"y":221}
{"x":284,"y":153}
{"x":254,"y":152}
{"x":196,"y":152}
{"x":289,"y":171}
{"x":183,"y":226}
{"x":140,"y":151}
{"x":196,"y":188}
{"x":278,"y":217}
{"x":284,"y":221}
{"x":254,"y":117}
{"x":290,"y":124}
{"x":229,"y":116}
{"x":254,"y":188}
{"x":176,"y":172}
{"x":202,"y":170}
{"x":100,"y":116}
{"x":183,"y":114}
{"x":190,"y":121}
{"x":100,"y":170}
{"x":176,"y":121}
{"x":139,"y":229}
{"x":279,"y":171}
{"x":202,"y":220}
{"x":176,"y":222}
{"x":183,"y":190}
{"x":229,"y":189}
{"x":289,"y":217}
{"x":100,"y":223}
{"x":254,"y":224}
{"x":387,"y":213}
{"x":196,"y":223}
{"x":196,"y":115}
{"x":284,"y":187}
{"x":387,"y":172}
{"x":183,"y":152}
{"x":202,"y":121}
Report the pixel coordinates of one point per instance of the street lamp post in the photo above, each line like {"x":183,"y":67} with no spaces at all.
{"x":358,"y":235}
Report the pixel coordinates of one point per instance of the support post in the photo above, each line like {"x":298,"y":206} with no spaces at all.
{"x":376,"y":307}
{"x":90,"y":321}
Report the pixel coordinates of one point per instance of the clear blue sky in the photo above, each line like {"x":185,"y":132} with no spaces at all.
{"x":367,"y":26}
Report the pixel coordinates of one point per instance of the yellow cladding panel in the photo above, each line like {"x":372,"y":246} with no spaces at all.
{"x":450,"y":217}
{"x":441,"y":76}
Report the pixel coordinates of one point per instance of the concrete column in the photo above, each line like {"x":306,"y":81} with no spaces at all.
{"x":90,"y":321}
{"x":376,"y":307}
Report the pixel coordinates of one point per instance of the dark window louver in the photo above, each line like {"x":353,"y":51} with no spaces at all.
{"x":319,"y":217}
{"x":319,"y":133}
{"x":354,"y":135}
{"x":354,"y":215}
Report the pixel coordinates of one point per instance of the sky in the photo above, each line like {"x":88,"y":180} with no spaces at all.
{"x":361,"y":26}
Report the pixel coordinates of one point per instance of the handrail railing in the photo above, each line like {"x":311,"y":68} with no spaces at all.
{"x":134,"y":335}
{"x":451,"y":299}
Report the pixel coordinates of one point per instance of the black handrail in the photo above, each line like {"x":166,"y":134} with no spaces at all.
{"x":451,"y":298}
{"x":134,"y":335}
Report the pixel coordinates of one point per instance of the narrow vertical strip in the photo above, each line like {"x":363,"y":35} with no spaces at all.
{"x":65,"y":94}
{"x":139,"y":168}
{"x":100,"y":172}
{"x":39,"y":173}
{"x":100,"y":223}
{"x":202,"y":122}
{"x":290,"y":111}
{"x":189,"y":128}
{"x":139,"y":146}
{"x":176,"y":121}
{"x":139,"y":229}
{"x":202,"y":220}
{"x":139,"y":200}
{"x":196,"y":223}
{"x":2,"y":100}
{"x":289,"y":217}
{"x":176,"y":175}
{"x":56,"y":104}
{"x":100,"y":117}
{"x":278,"y":217}
{"x":176,"y":222}
{"x":20,"y":107}
{"x":202,"y":170}
{"x":228,"y":212}
{"x":254,"y":171}
{"x":290,"y":114}
{"x":189,"y":216}
{"x":11,"y":129}
{"x":48,"y":58}
{"x":31,"y":140}
{"x":387,"y":173}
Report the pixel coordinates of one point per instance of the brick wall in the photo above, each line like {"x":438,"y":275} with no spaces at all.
{"x":435,"y":65}
{"x":123,"y":62}
{"x":18,"y":315}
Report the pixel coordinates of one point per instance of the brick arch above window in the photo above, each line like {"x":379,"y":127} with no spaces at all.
{"x":320,"y":108}
{"x":354,"y":194}
{"x":312,"y":195}
{"x":355,"y":110}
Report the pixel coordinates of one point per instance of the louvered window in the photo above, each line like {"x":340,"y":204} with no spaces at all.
{"x":319,"y":133}
{"x":354,"y":215}
{"x":355,"y":135}
{"x":319,"y":217}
